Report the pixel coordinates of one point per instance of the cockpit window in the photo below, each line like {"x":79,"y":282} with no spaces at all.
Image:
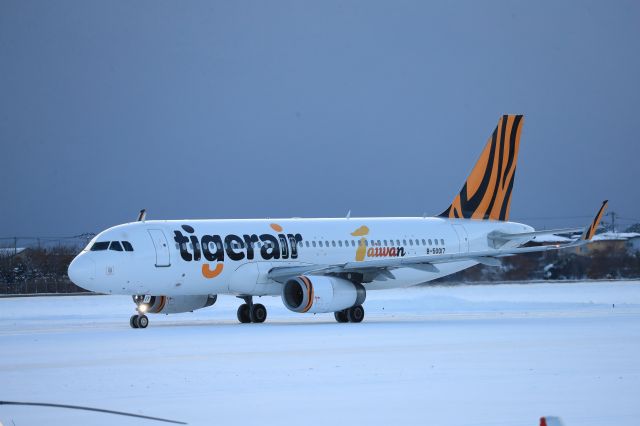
{"x":127,"y":246}
{"x":115,"y":246}
{"x":100,"y":245}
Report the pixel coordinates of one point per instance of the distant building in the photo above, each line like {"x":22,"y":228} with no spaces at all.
{"x":613,"y":242}
{"x":11,"y":251}
{"x":606,"y":242}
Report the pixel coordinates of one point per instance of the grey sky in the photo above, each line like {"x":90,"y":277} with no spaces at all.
{"x":271,"y":109}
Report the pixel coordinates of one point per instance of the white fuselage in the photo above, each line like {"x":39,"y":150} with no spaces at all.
{"x":196,"y":257}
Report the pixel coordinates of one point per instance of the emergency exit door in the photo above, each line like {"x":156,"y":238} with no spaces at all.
{"x":162,"y":247}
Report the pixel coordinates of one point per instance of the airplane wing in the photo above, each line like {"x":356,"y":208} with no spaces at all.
{"x":426,"y":263}
{"x":381,"y":268}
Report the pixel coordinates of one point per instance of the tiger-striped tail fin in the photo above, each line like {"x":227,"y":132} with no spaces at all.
{"x":486,"y":194}
{"x":590,"y":230}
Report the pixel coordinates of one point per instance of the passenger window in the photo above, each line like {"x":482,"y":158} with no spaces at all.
{"x":333,"y":243}
{"x":306,"y":243}
{"x":340,"y":243}
{"x":424,"y":243}
{"x":353,"y":243}
{"x":398,"y":242}
{"x":404,"y":242}
{"x":436,"y":241}
{"x":115,"y":246}
{"x":127,"y":246}
{"x":313,"y":243}
{"x":441,"y":241}
{"x":100,"y":246}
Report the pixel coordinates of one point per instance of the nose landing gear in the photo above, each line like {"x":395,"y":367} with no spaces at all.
{"x":139,"y":321}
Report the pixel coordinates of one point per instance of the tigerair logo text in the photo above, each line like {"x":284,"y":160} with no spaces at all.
{"x":372,"y":251}
{"x":214,"y":248}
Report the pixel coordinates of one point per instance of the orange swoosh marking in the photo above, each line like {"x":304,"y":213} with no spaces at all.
{"x":363,"y":230}
{"x":208,"y":273}
{"x":276,"y":227}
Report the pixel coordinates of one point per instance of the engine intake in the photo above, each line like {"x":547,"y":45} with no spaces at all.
{"x":318,"y":294}
{"x":173,"y":304}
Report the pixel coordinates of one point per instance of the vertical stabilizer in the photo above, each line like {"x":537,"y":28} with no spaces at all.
{"x":486,"y":194}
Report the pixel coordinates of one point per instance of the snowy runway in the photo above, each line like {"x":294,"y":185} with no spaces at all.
{"x":483,"y":355}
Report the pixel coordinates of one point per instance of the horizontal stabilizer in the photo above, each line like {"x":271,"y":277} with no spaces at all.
{"x":522,"y":235}
{"x":499,"y":239}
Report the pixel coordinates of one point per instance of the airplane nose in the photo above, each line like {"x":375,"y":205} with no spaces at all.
{"x":82,"y":271}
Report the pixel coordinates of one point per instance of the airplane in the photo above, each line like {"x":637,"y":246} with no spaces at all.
{"x":314,"y":265}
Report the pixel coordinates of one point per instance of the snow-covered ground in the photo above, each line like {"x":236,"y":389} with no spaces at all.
{"x":462,"y":355}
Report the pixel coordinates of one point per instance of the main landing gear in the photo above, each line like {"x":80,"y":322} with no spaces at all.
{"x":352,"y":314}
{"x":139,"y":321}
{"x":250,"y":312}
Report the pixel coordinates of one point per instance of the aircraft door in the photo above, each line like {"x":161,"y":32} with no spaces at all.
{"x":162,"y":247}
{"x":463,"y":238}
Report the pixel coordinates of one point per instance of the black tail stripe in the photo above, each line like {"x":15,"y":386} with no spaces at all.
{"x":469,"y":206}
{"x":505,"y":204}
{"x":497,"y":181}
{"x":512,"y":146}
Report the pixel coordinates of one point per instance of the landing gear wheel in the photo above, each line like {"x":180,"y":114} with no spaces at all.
{"x":258,"y":313}
{"x":341,"y":316}
{"x":355,"y":313}
{"x":133,"y":321}
{"x":142,"y":321}
{"x":243,"y":313}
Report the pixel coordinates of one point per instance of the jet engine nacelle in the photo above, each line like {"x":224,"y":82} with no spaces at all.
{"x":173,"y":304}
{"x":317,"y":294}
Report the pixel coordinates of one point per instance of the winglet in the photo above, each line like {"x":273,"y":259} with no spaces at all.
{"x":590,"y":230}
